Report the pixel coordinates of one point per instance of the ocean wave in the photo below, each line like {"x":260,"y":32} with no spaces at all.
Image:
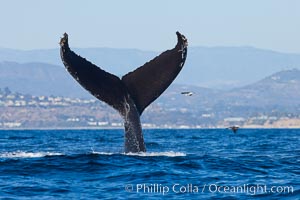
{"x":23,"y":154}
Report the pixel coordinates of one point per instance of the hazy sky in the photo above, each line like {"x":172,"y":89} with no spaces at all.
{"x":151,"y":25}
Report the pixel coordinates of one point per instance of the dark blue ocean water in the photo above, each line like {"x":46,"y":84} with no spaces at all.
{"x":179,"y":164}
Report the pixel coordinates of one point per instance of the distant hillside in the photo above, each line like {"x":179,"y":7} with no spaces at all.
{"x":214,"y":67}
{"x":281,"y":89}
{"x":39,"y":79}
{"x":230,"y":67}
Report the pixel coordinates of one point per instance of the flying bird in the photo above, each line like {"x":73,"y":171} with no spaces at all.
{"x":132,"y":93}
{"x":187,"y":93}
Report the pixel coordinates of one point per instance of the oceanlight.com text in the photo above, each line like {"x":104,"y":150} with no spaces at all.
{"x":176,"y":188}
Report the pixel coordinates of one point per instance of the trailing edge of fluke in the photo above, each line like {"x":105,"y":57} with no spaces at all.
{"x":131,"y":94}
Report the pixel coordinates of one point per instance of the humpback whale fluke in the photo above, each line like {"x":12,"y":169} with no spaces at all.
{"x":234,"y":128}
{"x":131,"y":94}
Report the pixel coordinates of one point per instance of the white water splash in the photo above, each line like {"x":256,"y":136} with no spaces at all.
{"x":22,"y":154}
{"x":102,"y":153}
{"x":150,"y":154}
{"x":144,"y":154}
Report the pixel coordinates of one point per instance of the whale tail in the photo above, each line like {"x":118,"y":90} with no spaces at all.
{"x":131,"y":94}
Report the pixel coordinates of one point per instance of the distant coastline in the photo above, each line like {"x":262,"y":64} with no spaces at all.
{"x":147,"y":128}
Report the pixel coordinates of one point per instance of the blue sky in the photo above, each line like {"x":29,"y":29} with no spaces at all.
{"x":151,"y":25}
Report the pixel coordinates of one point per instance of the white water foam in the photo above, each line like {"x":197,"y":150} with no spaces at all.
{"x":22,"y":154}
{"x":102,"y":153}
{"x":150,"y":154}
{"x":145,"y":154}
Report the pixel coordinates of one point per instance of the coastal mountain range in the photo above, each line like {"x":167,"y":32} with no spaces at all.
{"x":41,"y":72}
{"x":270,"y":102}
